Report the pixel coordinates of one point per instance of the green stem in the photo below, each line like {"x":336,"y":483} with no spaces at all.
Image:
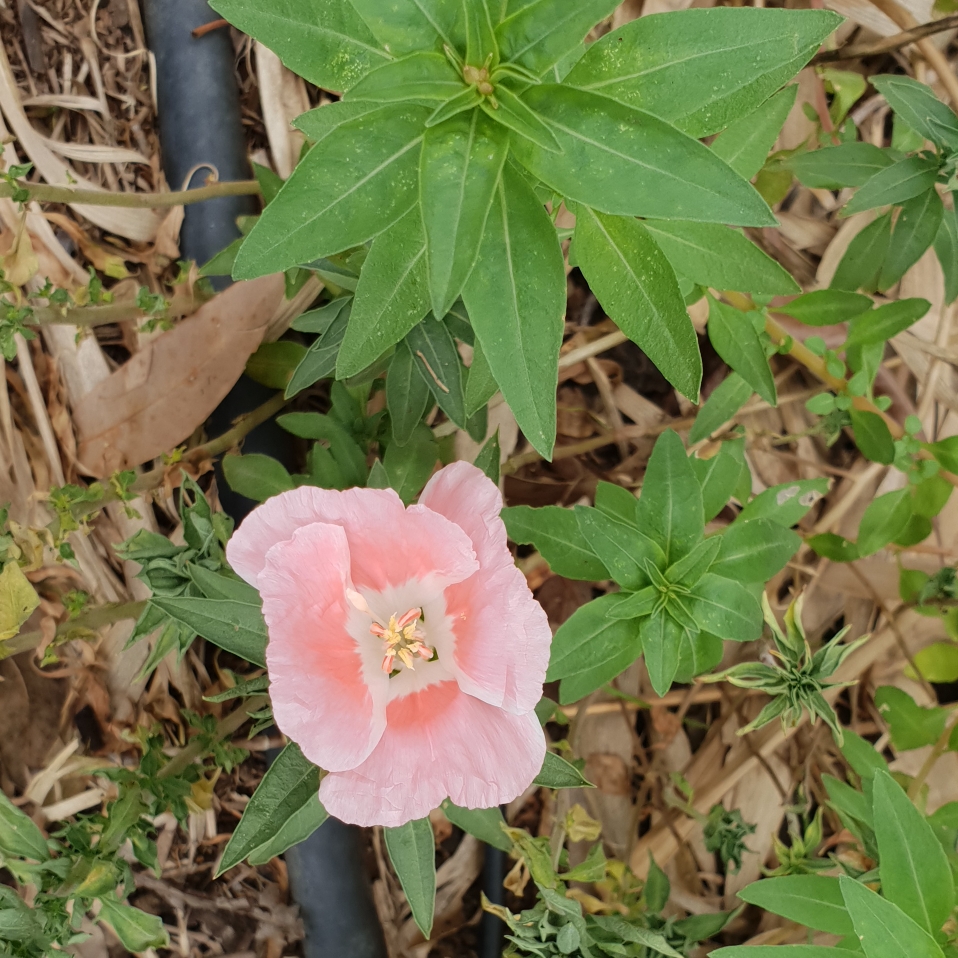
{"x":940,"y":747}
{"x":43,"y":193}
{"x":89,"y":316}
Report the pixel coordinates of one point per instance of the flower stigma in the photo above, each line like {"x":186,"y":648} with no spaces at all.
{"x":402,"y":636}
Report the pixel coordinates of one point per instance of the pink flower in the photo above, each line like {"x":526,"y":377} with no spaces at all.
{"x":406,"y":654}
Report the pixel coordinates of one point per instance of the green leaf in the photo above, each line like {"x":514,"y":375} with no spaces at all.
{"x":516,"y":299}
{"x":480,"y":33}
{"x":638,"y":165}
{"x":862,"y":756}
{"x":407,"y":394}
{"x":895,"y":184}
{"x":558,"y":773}
{"x":410,"y":466}
{"x":946,"y":248}
{"x":288,"y":791}
{"x":655,"y":942}
{"x":391,"y":298}
{"x":661,"y":646}
{"x":786,"y":504}
{"x":622,"y":549}
{"x":872,"y":436}
{"x":326,"y":119}
{"x":20,"y":837}
{"x":481,"y":385}
{"x":938,"y":662}
{"x":617,"y":503}
{"x":556,"y":535}
{"x":347,"y":189}
{"x":592,"y":648}
{"x":320,"y":361}
{"x":403,"y":26}
{"x":136,"y":930}
{"x":726,"y":400}
{"x":670,"y":508}
{"x":702,"y":69}
{"x":720,"y":476}
{"x":700,"y":652}
{"x":539,"y":33}
{"x":412,"y":851}
{"x":945,"y":452}
{"x":420,"y":77}
{"x":273,"y":364}
{"x":713,"y":255}
{"x":324,"y":41}
{"x":214,"y":585}
{"x":637,"y":287}
{"x":915,"y":230}
{"x":861,"y":265}
{"x":826,"y":307}
{"x":459,"y":175}
{"x":350,"y":458}
{"x":781,"y":951}
{"x":513,"y":114}
{"x":835,"y":167}
{"x":910,"y":725}
{"x":746,"y":143}
{"x":884,"y":520}
{"x":834,"y":547}
{"x":734,"y":336}
{"x":726,"y":608}
{"x":489,"y":458}
{"x":883,"y":929}
{"x":234,"y":626}
{"x":755,"y":550}
{"x":256,"y":476}
{"x":811,"y":900}
{"x":439,"y":364}
{"x":18,"y":922}
{"x":482,"y":823}
{"x":918,"y":106}
{"x":690,"y":568}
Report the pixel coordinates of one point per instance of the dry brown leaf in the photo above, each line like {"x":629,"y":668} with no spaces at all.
{"x":162,"y":394}
{"x":19,"y":262}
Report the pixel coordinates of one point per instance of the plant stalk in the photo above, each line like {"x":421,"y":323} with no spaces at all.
{"x":42,"y":193}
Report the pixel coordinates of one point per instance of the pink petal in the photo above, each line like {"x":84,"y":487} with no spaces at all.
{"x":328,"y":692}
{"x":501,"y":634}
{"x":388,"y":545}
{"x":438,"y":742}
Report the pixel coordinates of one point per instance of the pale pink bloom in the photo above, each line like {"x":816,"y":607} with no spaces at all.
{"x":406,"y":654}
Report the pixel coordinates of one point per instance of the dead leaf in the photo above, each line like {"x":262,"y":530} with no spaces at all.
{"x":20,"y":263}
{"x":162,"y":394}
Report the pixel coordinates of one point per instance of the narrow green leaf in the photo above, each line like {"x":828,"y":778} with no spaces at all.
{"x":402,"y":26}
{"x":720,"y":476}
{"x":726,"y":400}
{"x":512,"y":113}
{"x":661,"y":646}
{"x":409,"y":466}
{"x":872,"y":436}
{"x":637,"y":287}
{"x":556,"y":535}
{"x":482,"y":823}
{"x":946,"y":248}
{"x":439,"y":364}
{"x":489,"y":456}
{"x":736,"y":340}
{"x":915,"y":230}
{"x":781,"y":951}
{"x":412,"y":851}
{"x":481,"y":43}
{"x":481,"y":385}
{"x":20,"y":837}
{"x":746,"y":143}
{"x":214,"y":585}
{"x":407,"y":395}
{"x":516,"y":300}
{"x":861,"y":265}
{"x":320,"y":360}
{"x":617,"y":503}
{"x":786,"y":504}
{"x":811,"y":900}
{"x":558,"y":773}
{"x":419,"y":78}
{"x":755,"y":550}
{"x":895,"y":184}
{"x":233,"y":626}
{"x":726,"y":608}
{"x":348,"y":188}
{"x":622,"y":549}
{"x":835,"y":167}
{"x":638,"y":165}
{"x":884,"y":520}
{"x":136,"y":930}
{"x":918,"y":106}
{"x":826,"y":307}
{"x":256,"y":476}
{"x":690,"y":568}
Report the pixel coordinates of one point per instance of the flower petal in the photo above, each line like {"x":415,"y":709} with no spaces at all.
{"x":501,"y":634}
{"x":329,"y":694}
{"x":438,"y":742}
{"x":388,"y":545}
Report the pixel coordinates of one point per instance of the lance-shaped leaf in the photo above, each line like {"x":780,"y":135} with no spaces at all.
{"x":461,"y":168}
{"x":811,"y":900}
{"x":702,"y":69}
{"x":755,"y":550}
{"x":726,"y":400}
{"x":325,"y":41}
{"x":861,"y":265}
{"x":403,"y":26}
{"x":915,"y":230}
{"x":412,"y":851}
{"x":513,"y":113}
{"x":835,"y":167}
{"x":320,"y":360}
{"x":918,"y":106}
{"x":881,"y":324}
{"x":439,"y":364}
{"x":895,"y":184}
{"x":481,"y":45}
{"x":326,"y":119}
{"x":726,"y":608}
{"x":347,"y":189}
{"x":407,"y":394}
{"x":826,"y":307}
{"x":746,"y":143}
{"x":623,"y":550}
{"x":486,"y":824}
{"x":418,"y":77}
{"x":661,"y":647}
{"x":556,"y":534}
{"x":720,"y":476}
{"x":556,"y":772}
{"x":233,"y":626}
{"x":736,"y":340}
{"x":638,"y":165}
{"x":516,"y":300}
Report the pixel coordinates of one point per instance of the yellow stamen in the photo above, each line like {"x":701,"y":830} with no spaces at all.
{"x":403,"y":639}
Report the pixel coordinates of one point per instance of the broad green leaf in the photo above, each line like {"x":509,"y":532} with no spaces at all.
{"x":622,"y":549}
{"x":18,"y":599}
{"x":481,"y":385}
{"x":233,"y":626}
{"x":636,"y":285}
{"x":726,"y":400}
{"x":661,"y":647}
{"x":638,"y":165}
{"x":884,"y":520}
{"x":690,"y":568}
{"x":591,"y":648}
{"x":539,"y":33}
{"x":915,"y":230}
{"x":348,"y":188}
{"x":320,"y":360}
{"x":256,"y":476}
{"x":938,"y":662}
{"x":298,"y":827}
{"x":273,"y":364}
{"x":483,"y":823}
{"x":403,"y":26}
{"x":736,"y":340}
{"x":556,"y":772}
{"x":637,"y":605}
{"x":713,"y":255}
{"x":826,"y":307}
{"x":391,"y":298}
{"x":945,"y":452}
{"x":420,"y":78}
{"x":700,"y":652}
{"x":834,"y":547}
{"x":512,"y":113}
{"x":556,"y":535}
{"x":18,"y":922}
{"x":895,"y":184}
{"x":289,"y":788}
{"x":325,"y":41}
{"x":412,"y":851}
{"x":516,"y":301}
{"x":780,"y":951}
{"x":350,"y":458}
{"x":726,"y":608}
{"x":652,"y":942}
{"x":835,"y":167}
{"x":946,"y":248}
{"x":617,"y":503}
{"x":861,"y":265}
{"x":702,"y":69}
{"x":811,"y":900}
{"x":326,"y":119}
{"x":755,"y":550}
{"x":407,"y":395}
{"x":20,"y":837}
{"x":136,"y":930}
{"x":720,"y":476}
{"x":319,"y":320}
{"x":438,"y":362}
{"x":883,"y":929}
{"x":746,"y":143}
{"x":670,"y":508}
{"x":910,"y":725}
{"x":864,"y":759}
{"x":872,"y":436}
{"x":786,"y":504}
{"x":920,"y":108}
{"x":214,"y":585}
{"x":409,"y":466}
{"x":459,"y":174}
{"x":481,"y":43}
